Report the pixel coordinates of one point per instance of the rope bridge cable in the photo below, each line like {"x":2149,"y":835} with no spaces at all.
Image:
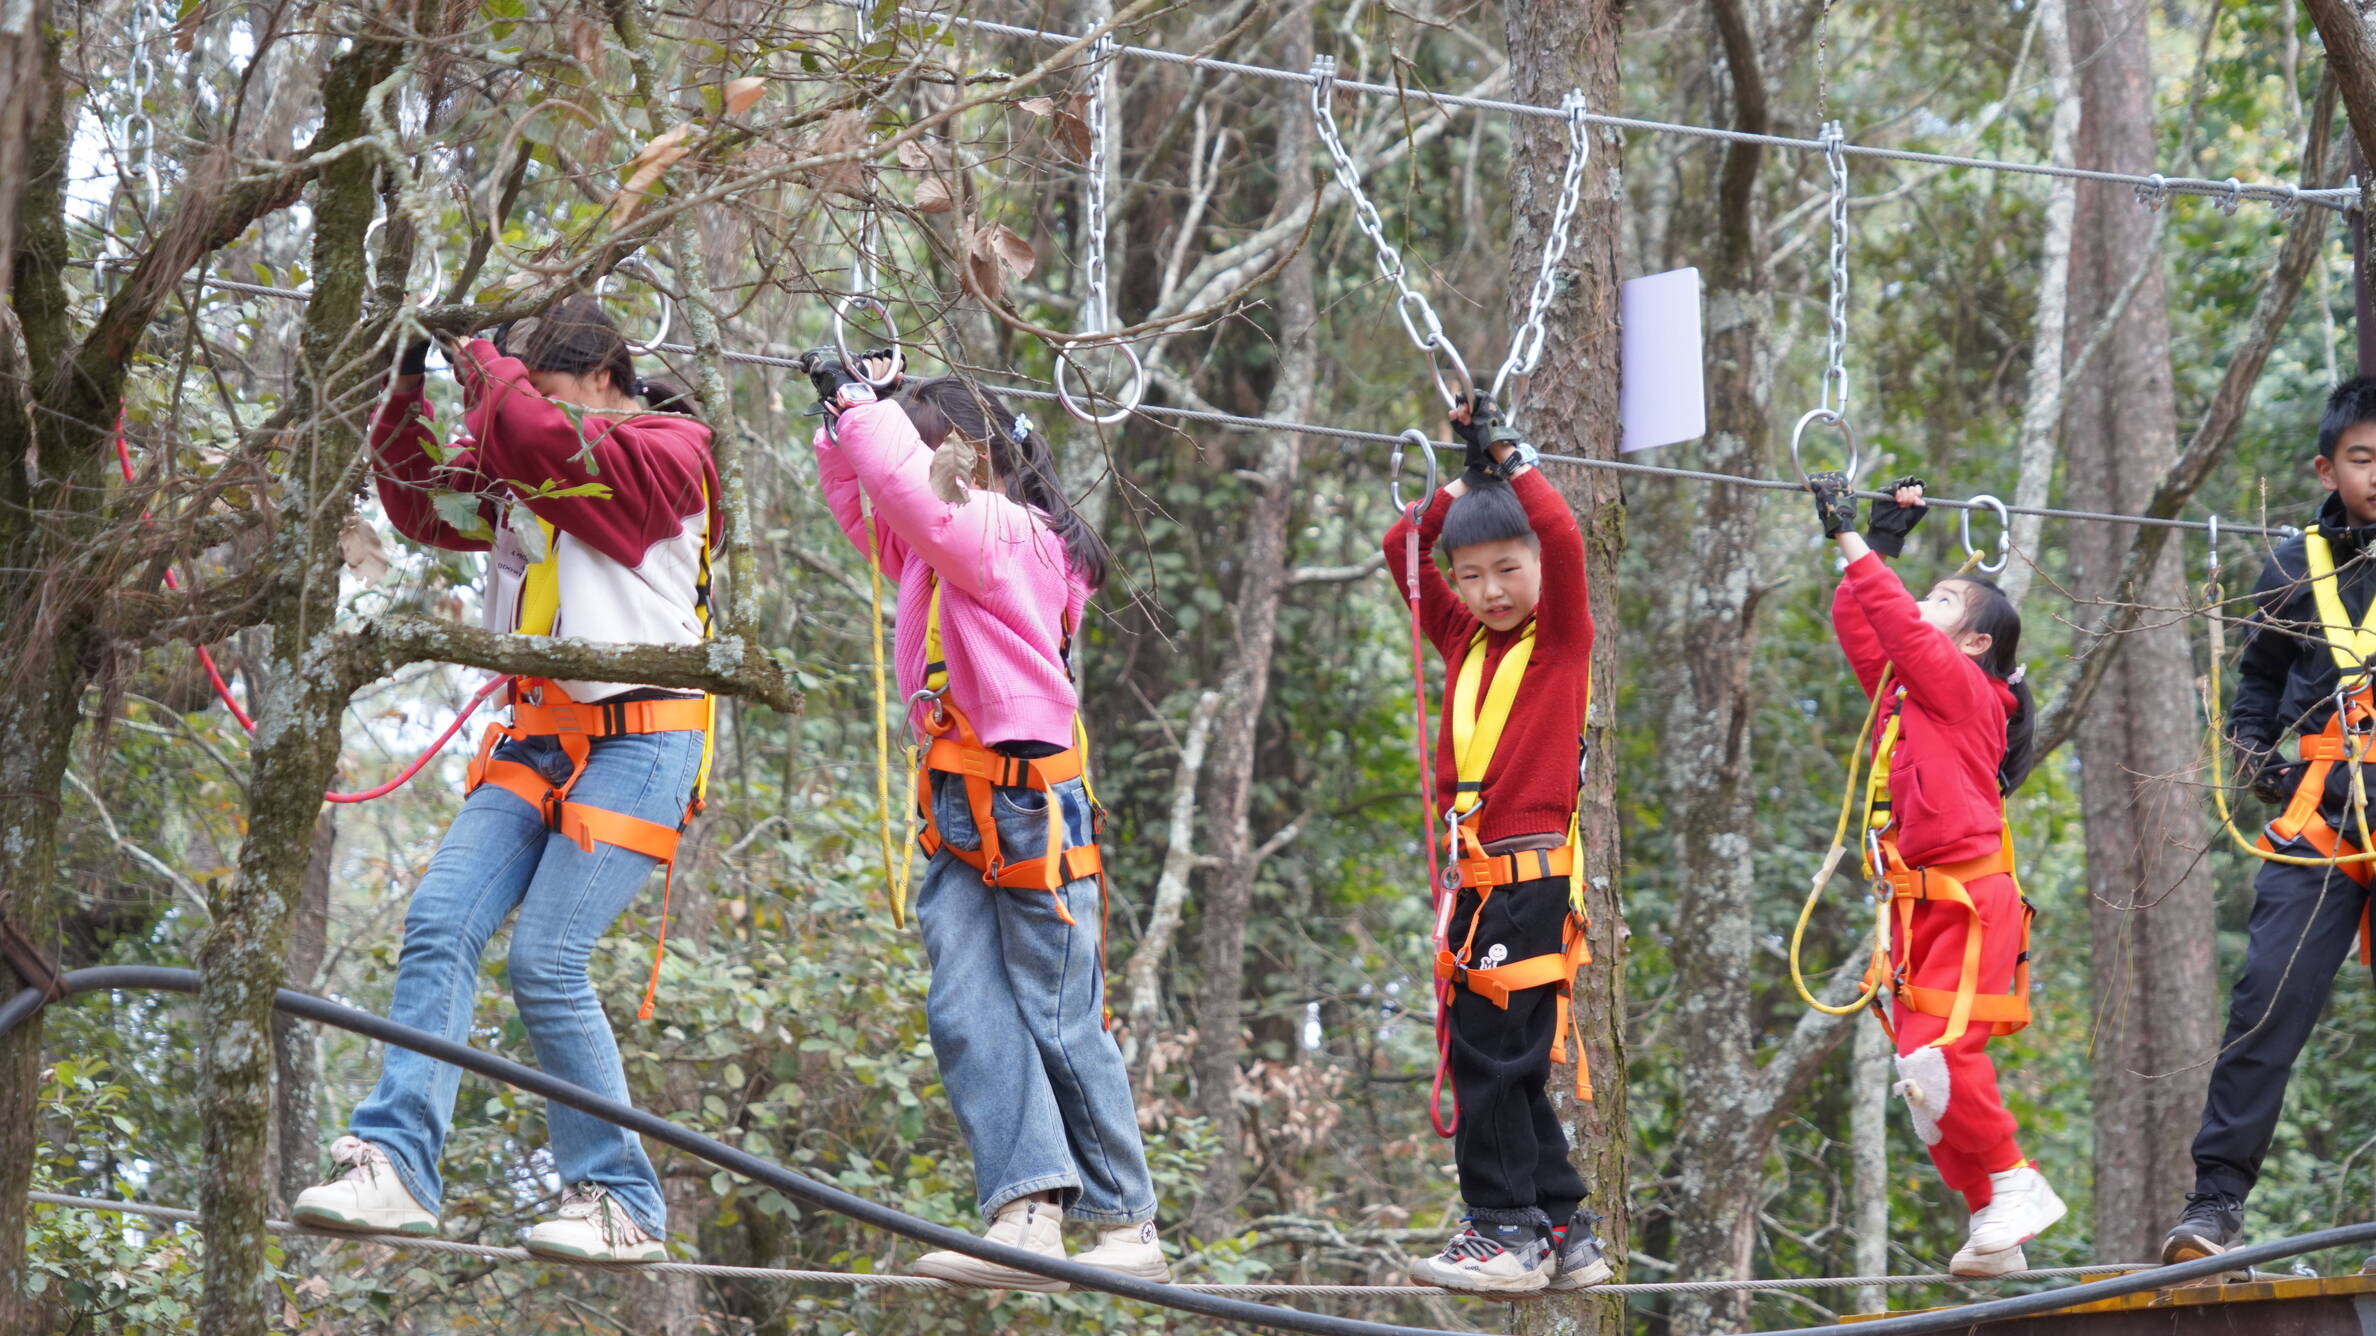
{"x":1209,"y":1301}
{"x":1211,"y":417}
{"x":2151,"y":186}
{"x":875,"y":1280}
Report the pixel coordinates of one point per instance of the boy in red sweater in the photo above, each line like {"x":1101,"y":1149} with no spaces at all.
{"x":1954,"y":738}
{"x":1515,"y":629}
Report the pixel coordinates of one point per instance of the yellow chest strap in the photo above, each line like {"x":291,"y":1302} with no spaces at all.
{"x":1477,"y":728}
{"x":2352,"y":643}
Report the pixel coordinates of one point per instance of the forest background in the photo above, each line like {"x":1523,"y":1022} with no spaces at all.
{"x":440,"y":164}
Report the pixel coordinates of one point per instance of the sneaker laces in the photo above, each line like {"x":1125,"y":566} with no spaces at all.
{"x":1471,"y":1246}
{"x":592,"y":1201}
{"x":350,"y":1156}
{"x":2210,"y":1206}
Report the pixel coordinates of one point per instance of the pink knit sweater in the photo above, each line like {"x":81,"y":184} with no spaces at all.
{"x":1007,"y":587}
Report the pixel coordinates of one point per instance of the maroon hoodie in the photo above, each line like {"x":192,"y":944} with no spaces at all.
{"x":1951,"y":735}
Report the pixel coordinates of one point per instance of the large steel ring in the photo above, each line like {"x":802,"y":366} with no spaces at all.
{"x":667,"y":315}
{"x":437,"y":273}
{"x":1128,"y":400}
{"x":1828,"y":418}
{"x":1417,"y":440}
{"x":2004,"y":534}
{"x":841,"y":338}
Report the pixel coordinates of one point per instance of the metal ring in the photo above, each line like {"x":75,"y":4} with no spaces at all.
{"x":1128,"y":401}
{"x":371,"y":263}
{"x":1454,"y":394}
{"x":1830,"y":419}
{"x":1418,"y":440}
{"x":841,"y":338}
{"x":667,"y":314}
{"x":2004,"y":533}
{"x":2214,"y":546}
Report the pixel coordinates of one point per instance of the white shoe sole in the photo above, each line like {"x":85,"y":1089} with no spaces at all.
{"x":1158,"y":1270}
{"x":1425,"y":1272}
{"x":642,"y":1254}
{"x":1981,"y":1265}
{"x":2052,"y":1219}
{"x":979,"y":1275}
{"x":1596,"y":1274}
{"x":323,"y":1217}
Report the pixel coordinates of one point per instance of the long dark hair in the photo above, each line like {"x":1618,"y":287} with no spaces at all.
{"x":1018,"y":455}
{"x":1989,"y":611}
{"x":575,"y":336}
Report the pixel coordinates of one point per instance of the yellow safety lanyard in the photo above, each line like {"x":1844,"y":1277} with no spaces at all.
{"x":1877,"y":813}
{"x":1477,"y":730}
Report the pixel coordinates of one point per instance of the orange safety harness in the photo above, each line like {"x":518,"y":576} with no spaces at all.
{"x":2348,"y":738}
{"x":541,"y":709}
{"x":1964,"y":1005}
{"x":1476,"y":731}
{"x":955,"y":749}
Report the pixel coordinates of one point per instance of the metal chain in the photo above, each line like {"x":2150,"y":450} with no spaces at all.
{"x":1410,"y":305}
{"x":1835,"y":367}
{"x":1098,"y":314}
{"x":1526,"y":350}
{"x":1823,"y":63}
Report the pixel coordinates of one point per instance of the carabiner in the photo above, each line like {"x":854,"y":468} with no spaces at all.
{"x":2004,"y":534}
{"x":841,"y":338}
{"x":1416,"y":439}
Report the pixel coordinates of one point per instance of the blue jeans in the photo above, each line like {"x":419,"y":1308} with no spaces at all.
{"x":1017,"y":1013}
{"x":499,"y":856}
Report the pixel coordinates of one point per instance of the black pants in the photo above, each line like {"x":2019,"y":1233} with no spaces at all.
{"x":2305,"y":922}
{"x":1511,"y":1149}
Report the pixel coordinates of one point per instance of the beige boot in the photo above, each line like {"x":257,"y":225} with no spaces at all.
{"x":1032,"y":1225}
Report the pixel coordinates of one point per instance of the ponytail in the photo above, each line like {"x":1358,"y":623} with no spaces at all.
{"x":1990,"y":612}
{"x":2021,"y":736}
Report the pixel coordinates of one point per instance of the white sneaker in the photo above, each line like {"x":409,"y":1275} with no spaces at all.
{"x":2022,"y":1208}
{"x":1034,"y":1226}
{"x":591,"y":1226}
{"x":1132,"y":1250}
{"x":1969,"y":1263}
{"x":363,"y":1193}
{"x":1506,"y":1260}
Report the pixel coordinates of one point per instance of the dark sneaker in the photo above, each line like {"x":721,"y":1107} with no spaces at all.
{"x":1578,"y":1251}
{"x":1490,"y":1259}
{"x":2213,"y":1223}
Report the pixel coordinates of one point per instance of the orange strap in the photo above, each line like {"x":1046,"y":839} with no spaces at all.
{"x":1482,"y":871}
{"x":2302,"y":819}
{"x":1557,"y":970}
{"x":955,"y":750}
{"x":1962,"y":1006}
{"x":575,"y":725}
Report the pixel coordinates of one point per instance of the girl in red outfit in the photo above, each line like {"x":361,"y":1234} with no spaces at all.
{"x":1954,"y":736}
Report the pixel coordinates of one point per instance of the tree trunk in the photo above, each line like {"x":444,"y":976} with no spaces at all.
{"x":2039,"y":418}
{"x":1570,"y":405}
{"x":670,"y":1305}
{"x":2151,"y":914}
{"x":296,"y":742}
{"x":1870,"y":1073}
{"x":1230,"y":897}
{"x":296,"y":1092}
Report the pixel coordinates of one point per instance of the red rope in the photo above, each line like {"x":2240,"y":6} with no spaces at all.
{"x":222,"y":689}
{"x":1444,"y":1126}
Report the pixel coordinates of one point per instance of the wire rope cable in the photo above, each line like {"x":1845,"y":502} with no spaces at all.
{"x":2149,"y":185}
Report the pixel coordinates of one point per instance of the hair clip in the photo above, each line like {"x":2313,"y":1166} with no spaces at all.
{"x":2020,"y":674}
{"x":1022,"y":426}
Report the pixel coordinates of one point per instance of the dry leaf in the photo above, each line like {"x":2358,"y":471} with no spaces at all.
{"x":646,"y":170}
{"x":914,"y":156}
{"x":743,"y":92}
{"x":585,"y":42}
{"x":360,"y":547}
{"x":1013,"y":251}
{"x":994,"y":256}
{"x":843,"y":132}
{"x":1072,"y":134}
{"x":1038,"y":106}
{"x":932,"y":196}
{"x":185,"y":32}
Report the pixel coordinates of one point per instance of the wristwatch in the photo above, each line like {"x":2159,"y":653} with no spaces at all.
{"x":1522,"y":457}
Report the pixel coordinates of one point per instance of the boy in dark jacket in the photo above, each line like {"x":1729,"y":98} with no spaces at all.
{"x":1515,"y":628}
{"x":2306,"y":648}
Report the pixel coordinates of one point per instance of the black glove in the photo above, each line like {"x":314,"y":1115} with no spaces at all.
{"x":2276,"y":781}
{"x":1835,"y":501}
{"x":838,"y":387}
{"x":1477,"y":433}
{"x":415,"y":361}
{"x":1886,"y":530}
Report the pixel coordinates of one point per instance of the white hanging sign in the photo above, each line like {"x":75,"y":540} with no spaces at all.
{"x":1662,"y":397}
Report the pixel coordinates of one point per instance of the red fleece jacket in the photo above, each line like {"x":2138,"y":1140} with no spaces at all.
{"x":1951,"y":738}
{"x":1530,"y":785}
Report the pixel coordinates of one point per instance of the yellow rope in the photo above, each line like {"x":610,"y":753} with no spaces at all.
{"x":1831,"y":863}
{"x":894,"y":846}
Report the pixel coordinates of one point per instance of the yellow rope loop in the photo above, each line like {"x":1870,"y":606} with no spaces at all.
{"x":1879,"y":971}
{"x":894,"y":850}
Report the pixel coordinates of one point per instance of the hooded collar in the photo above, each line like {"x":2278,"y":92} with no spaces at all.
{"x":2344,"y":536}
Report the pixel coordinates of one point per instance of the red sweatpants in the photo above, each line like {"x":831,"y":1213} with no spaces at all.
{"x":1952,"y":1091}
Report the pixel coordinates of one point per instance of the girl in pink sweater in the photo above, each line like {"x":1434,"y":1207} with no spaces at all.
{"x":994,"y":568}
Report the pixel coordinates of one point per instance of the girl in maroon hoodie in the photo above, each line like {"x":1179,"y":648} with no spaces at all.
{"x":1953,"y":736}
